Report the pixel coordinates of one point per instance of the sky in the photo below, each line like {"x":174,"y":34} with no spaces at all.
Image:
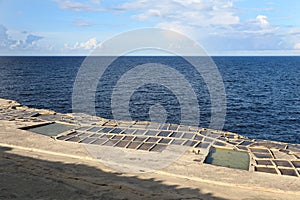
{"x":221,"y":27}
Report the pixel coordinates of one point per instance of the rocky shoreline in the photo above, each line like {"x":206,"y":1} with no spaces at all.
{"x":84,"y":156}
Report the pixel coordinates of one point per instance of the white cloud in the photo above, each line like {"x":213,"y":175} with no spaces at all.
{"x":29,"y":42}
{"x":186,"y":12}
{"x":263,"y":20}
{"x":90,"y":44}
{"x":3,"y":36}
{"x":294,"y":32}
{"x":78,"y":6}
{"x":32,"y":39}
{"x":260,"y":26}
{"x":297,"y":46}
{"x":215,"y":23}
{"x":148,"y":14}
{"x":189,"y":12}
{"x":177,"y":26}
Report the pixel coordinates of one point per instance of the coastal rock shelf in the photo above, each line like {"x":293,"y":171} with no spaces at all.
{"x":264,"y":156}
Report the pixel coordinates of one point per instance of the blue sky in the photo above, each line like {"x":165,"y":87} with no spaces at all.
{"x":222,"y":27}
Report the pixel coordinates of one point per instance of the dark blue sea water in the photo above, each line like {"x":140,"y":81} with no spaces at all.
{"x":262,"y":93}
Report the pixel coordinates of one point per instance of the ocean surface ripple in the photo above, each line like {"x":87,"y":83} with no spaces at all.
{"x":262,"y":93}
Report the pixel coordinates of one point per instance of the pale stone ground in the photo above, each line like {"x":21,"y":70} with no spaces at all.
{"x":33,"y":166}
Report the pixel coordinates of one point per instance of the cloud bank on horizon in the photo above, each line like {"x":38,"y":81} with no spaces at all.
{"x":222,"y":27}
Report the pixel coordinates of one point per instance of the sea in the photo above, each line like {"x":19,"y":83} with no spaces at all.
{"x":262,"y":93}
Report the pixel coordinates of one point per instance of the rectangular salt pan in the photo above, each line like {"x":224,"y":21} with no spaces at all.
{"x":228,"y":158}
{"x":53,"y":129}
